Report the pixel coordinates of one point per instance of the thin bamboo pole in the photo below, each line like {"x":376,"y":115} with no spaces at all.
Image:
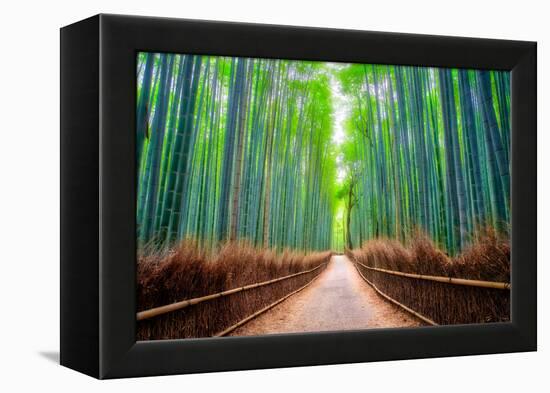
{"x":411,"y":311}
{"x":257,"y":313}
{"x":153,"y":312}
{"x":448,"y":280}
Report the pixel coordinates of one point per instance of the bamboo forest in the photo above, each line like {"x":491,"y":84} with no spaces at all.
{"x":257,"y":176}
{"x":317,"y":156}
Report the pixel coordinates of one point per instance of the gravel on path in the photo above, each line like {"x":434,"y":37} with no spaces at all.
{"x":339,"y":299}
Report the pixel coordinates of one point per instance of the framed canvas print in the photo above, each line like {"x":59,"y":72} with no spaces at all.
{"x":238,"y":196}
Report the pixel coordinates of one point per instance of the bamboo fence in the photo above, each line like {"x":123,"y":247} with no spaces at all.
{"x":439,"y":300}
{"x":257,"y":313}
{"x":392,"y":300}
{"x":448,"y":280}
{"x":153,"y":312}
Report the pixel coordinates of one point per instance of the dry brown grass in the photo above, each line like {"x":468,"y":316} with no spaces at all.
{"x":187,"y":271}
{"x":488,"y":259}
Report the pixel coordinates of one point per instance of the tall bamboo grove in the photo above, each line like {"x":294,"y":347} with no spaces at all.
{"x":427,"y":149}
{"x":232,"y":149}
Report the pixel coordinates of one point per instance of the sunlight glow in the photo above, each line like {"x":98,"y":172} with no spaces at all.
{"x":341,"y":112}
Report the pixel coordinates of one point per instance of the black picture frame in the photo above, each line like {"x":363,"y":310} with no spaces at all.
{"x":98,"y":246}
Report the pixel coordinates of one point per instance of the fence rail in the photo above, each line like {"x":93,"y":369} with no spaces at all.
{"x":392,"y":300}
{"x":153,"y":312}
{"x":448,"y":280}
{"x":259,"y":312}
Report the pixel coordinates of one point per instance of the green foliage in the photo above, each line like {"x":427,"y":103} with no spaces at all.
{"x":431,"y":146}
{"x":243,"y":153}
{"x":233,"y":149}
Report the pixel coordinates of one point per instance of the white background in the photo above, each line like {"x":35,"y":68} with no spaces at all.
{"x":29,"y":193}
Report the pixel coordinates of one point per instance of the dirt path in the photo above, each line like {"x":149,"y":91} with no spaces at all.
{"x":338,"y":300}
